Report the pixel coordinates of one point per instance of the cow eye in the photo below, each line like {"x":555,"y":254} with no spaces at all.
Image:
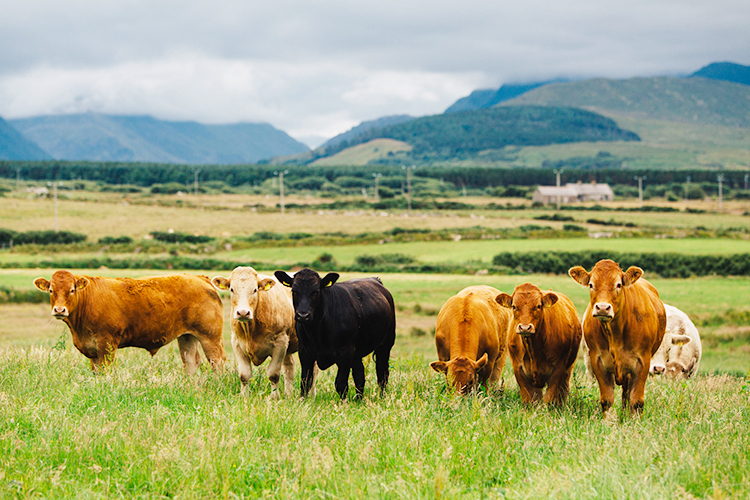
{"x":591,"y":286}
{"x":231,"y":289}
{"x":618,"y":286}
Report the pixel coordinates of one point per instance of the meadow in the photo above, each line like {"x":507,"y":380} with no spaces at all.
{"x":143,"y":429}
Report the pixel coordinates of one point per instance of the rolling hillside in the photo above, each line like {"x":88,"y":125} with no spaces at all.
{"x":14,"y":146}
{"x":101,"y":137}
{"x":483,"y":99}
{"x":727,"y":71}
{"x":685,"y":100}
{"x":365,"y":127}
{"x":453,"y":134}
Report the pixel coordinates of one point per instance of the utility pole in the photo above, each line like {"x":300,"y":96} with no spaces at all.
{"x":195,"y":184}
{"x":746,"y":177}
{"x":640,"y":189}
{"x":687,"y":189}
{"x":18,"y":179}
{"x":557,"y":183}
{"x":54,"y":197}
{"x":281,"y":188}
{"x":720,"y":178}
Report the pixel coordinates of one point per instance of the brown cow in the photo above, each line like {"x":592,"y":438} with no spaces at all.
{"x":262,"y":326}
{"x":105,"y":314}
{"x":543,"y":341}
{"x":470,"y":337}
{"x":623,"y":327}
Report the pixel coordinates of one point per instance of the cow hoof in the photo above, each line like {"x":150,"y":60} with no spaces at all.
{"x":274,"y":396}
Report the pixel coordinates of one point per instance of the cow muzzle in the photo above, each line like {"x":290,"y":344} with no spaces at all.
{"x":603,"y":311}
{"x":658,"y":369}
{"x":60,"y":312}
{"x":525,"y":330}
{"x":243,"y":314}
{"x":303,"y":317}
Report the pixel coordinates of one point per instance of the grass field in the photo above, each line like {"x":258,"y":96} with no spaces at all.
{"x":143,"y":429}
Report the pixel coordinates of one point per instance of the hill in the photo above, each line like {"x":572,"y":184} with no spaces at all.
{"x":362,"y":154}
{"x":14,"y":146}
{"x":366,"y":126}
{"x":100,"y":137}
{"x":727,"y":71}
{"x":686,"y":100}
{"x":453,"y":134}
{"x":482,"y":99}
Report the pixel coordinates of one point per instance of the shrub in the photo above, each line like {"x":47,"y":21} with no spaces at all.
{"x":169,"y":188}
{"x":115,"y":240}
{"x":177,"y":237}
{"x":48,"y":238}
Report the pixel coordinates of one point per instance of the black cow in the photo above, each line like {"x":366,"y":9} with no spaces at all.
{"x":340,"y":324}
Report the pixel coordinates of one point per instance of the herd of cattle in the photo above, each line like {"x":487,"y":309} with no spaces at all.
{"x":627,"y":331}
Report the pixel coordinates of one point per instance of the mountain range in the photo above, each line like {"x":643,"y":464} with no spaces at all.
{"x":101,"y":137}
{"x":716,"y":95}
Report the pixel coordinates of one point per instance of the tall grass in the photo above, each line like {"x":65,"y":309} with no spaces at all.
{"x":143,"y":429}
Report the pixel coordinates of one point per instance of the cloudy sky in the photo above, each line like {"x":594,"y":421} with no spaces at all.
{"x":317,"y":68}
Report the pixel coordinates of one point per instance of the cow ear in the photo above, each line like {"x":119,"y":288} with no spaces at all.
{"x":266,"y":284}
{"x":631,"y":275}
{"x":42,"y":284}
{"x":580,"y":275}
{"x":482,"y":361}
{"x":81,"y":283}
{"x":504,"y":300}
{"x":220,"y":282}
{"x":549,"y":299}
{"x":690,"y":366}
{"x":284,"y":278}
{"x":680,"y":339}
{"x":329,"y":280}
{"x":439,"y":366}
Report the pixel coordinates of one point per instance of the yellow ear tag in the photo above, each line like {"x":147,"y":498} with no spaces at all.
{"x":329,"y":284}
{"x":680,"y":343}
{"x":267,"y":287}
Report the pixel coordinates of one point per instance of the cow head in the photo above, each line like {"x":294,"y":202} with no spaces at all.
{"x":675,"y":369}
{"x":669,"y":354}
{"x":527,"y":303}
{"x":244,"y":284}
{"x":462,"y":373}
{"x":63,"y":288}
{"x":306,"y":288}
{"x":606,"y":283}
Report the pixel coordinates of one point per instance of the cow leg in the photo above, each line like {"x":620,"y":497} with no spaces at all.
{"x":638,"y":387}
{"x":213,"y":348}
{"x":382,"y":367}
{"x":191,"y":356}
{"x":342,"y":380}
{"x":274,"y":368}
{"x":244,"y":366}
{"x":288,"y":368}
{"x":307,"y":377}
{"x":529,"y":393}
{"x":558,"y":387}
{"x":606,"y":384}
{"x":358,"y":374}
{"x":497,"y":371}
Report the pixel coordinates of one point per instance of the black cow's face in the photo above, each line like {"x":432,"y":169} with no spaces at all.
{"x":306,"y":288}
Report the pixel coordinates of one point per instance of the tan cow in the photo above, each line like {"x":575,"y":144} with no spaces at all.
{"x":680,"y":352}
{"x":543,"y":341}
{"x":262,"y":326}
{"x":105,"y":314}
{"x":470,"y":337}
{"x":623,"y":327}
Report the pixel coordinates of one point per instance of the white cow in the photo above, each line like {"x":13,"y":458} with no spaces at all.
{"x":262,"y":325}
{"x":680,"y":352}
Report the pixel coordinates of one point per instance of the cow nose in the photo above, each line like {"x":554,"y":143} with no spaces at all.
{"x":525,"y":329}
{"x":244,"y":314}
{"x":59,"y":311}
{"x":602,"y":309}
{"x":658,"y":369}
{"x":302,"y":316}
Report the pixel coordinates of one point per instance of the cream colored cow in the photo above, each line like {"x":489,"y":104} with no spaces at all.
{"x":680,"y":352}
{"x":262,"y":324}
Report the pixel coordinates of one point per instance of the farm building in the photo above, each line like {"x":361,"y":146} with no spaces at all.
{"x":573,"y":193}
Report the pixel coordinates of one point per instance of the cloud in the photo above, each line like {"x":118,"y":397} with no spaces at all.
{"x":315,"y":69}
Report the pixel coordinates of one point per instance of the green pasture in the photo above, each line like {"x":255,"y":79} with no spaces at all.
{"x":143,"y":429}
